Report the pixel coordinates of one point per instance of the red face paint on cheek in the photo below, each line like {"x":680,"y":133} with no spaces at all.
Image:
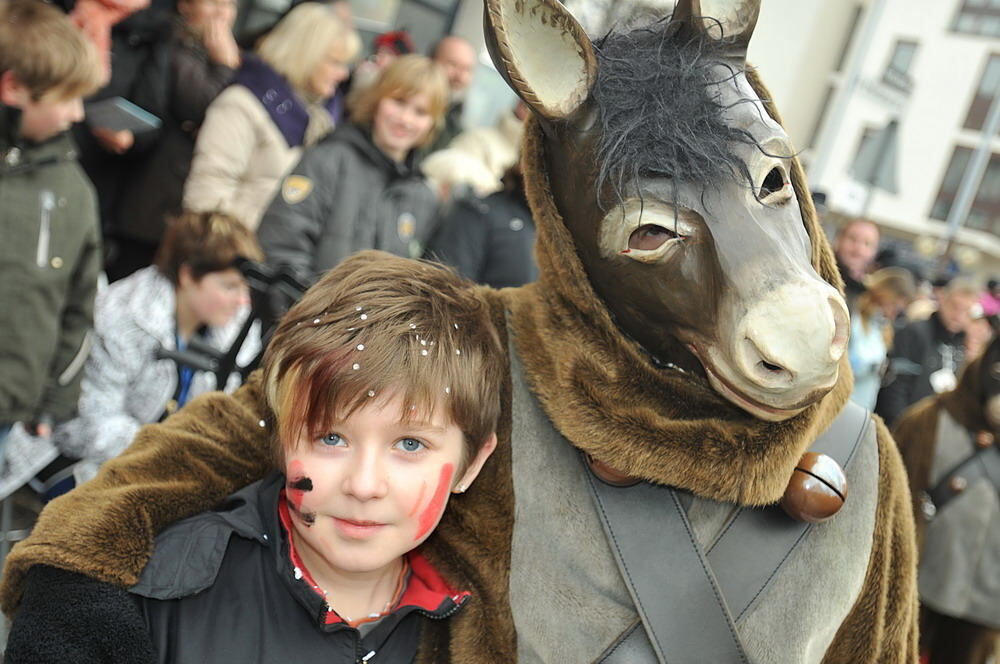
{"x":420,"y":499}
{"x":432,"y":512}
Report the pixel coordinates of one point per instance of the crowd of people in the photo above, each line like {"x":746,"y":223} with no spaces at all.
{"x":294,"y":153}
{"x":925,"y":358}
{"x":313,"y":154}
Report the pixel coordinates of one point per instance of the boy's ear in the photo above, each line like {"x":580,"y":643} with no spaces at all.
{"x":12,"y":91}
{"x":476,"y":465}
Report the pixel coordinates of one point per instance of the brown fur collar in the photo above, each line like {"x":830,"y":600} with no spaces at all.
{"x":606,"y":397}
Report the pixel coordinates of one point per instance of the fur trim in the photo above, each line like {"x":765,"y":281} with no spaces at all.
{"x":605,"y":395}
{"x":882,"y":626}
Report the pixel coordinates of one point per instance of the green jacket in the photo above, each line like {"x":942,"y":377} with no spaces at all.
{"x":50,"y":258}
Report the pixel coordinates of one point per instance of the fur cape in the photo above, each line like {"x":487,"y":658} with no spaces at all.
{"x":600,"y":391}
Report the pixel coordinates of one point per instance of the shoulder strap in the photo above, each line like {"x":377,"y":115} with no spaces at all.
{"x":670,"y":580}
{"x":689,"y":601}
{"x":983,"y":462}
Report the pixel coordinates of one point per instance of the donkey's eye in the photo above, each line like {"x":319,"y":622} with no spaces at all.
{"x":650,"y":237}
{"x":774,"y":182}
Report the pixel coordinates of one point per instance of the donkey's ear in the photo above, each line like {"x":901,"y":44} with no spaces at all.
{"x":729,"y":20}
{"x":542,"y":52}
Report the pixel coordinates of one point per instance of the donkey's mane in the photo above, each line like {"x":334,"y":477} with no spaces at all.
{"x":659,"y":110}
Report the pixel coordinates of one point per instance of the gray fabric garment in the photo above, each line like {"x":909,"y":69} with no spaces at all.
{"x":569,"y":602}
{"x":342,"y":197}
{"x":960,"y":565}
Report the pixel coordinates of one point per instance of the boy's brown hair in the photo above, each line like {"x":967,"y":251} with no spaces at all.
{"x":45,"y":52}
{"x":205,"y":242}
{"x":406,"y":76}
{"x":378,"y":325}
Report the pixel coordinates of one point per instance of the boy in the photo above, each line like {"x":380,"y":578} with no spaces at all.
{"x":50,"y":253}
{"x":384,"y":385}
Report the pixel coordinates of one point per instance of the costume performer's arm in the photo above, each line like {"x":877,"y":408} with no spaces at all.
{"x":882,"y":626}
{"x":185,"y":465}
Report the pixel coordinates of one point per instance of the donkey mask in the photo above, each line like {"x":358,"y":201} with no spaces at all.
{"x":674,"y":183}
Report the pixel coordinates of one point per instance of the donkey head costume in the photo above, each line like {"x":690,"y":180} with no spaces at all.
{"x":687,"y":331}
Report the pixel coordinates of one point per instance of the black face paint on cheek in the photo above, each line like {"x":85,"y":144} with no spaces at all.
{"x":301,"y":484}
{"x":308,"y":518}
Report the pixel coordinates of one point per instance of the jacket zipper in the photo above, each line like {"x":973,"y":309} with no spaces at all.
{"x":47,"y":201}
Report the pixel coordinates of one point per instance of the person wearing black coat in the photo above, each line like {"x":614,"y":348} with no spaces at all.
{"x":927,"y":354}
{"x":490,"y":240}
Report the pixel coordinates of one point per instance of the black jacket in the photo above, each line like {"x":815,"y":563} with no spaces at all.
{"x":919,"y":349}
{"x":345,"y":195}
{"x":156,"y":186}
{"x":490,"y":241}
{"x":220,"y":588}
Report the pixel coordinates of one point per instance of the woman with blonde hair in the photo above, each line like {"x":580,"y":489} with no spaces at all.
{"x":887,"y":293}
{"x":282,"y":99}
{"x":361,"y":188}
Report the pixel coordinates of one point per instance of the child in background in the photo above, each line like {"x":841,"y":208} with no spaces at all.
{"x":384,"y":385}
{"x":50,"y":255}
{"x":194,"y":292}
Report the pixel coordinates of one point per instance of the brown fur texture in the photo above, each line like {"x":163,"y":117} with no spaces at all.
{"x":602,"y":394}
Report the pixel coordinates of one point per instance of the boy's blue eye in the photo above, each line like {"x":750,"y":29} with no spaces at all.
{"x":331,"y":439}
{"x":409,"y":445}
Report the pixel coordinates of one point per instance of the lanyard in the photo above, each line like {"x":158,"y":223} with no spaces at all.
{"x":185,"y":375}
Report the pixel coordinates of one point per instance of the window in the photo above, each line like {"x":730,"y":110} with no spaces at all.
{"x":875,"y":160}
{"x":897,"y":72}
{"x":989,"y":88}
{"x":978,"y":17}
{"x":984,"y":214}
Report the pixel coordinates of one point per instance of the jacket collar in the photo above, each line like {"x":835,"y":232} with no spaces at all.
{"x":283,"y":105}
{"x":20,"y":155}
{"x":361,"y":140}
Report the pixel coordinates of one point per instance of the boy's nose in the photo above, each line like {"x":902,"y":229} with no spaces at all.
{"x":366,"y":480}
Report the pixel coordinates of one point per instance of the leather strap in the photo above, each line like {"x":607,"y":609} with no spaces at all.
{"x":683,"y":596}
{"x":984,"y":462}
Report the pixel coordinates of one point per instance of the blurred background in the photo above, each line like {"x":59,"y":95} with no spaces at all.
{"x":892,"y":103}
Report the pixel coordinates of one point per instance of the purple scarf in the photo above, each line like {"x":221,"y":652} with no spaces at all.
{"x":275,"y":94}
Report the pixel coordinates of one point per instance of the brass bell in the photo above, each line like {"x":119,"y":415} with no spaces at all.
{"x":817,"y":489}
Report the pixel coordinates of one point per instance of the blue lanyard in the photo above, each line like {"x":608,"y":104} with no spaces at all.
{"x":185,"y":375}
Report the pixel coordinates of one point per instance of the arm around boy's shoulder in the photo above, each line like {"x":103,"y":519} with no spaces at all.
{"x":183,"y":466}
{"x":68,"y":617}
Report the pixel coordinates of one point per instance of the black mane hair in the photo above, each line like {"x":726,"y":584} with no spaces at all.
{"x":659,"y":111}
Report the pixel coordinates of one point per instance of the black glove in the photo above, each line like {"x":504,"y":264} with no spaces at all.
{"x":69,"y":618}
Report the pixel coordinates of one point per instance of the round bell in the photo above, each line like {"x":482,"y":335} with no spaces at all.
{"x":609,"y":475}
{"x":817,"y":489}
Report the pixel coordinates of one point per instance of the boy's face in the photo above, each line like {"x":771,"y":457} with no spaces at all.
{"x":372,"y":487}
{"x":41,"y":119}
